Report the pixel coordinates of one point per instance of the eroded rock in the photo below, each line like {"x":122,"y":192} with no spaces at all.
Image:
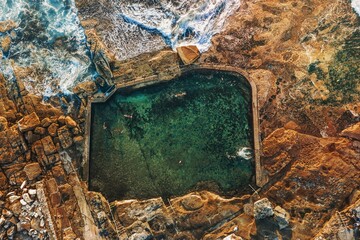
{"x":29,"y":122}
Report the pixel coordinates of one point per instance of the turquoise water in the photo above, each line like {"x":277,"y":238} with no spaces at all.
{"x":171,"y":138}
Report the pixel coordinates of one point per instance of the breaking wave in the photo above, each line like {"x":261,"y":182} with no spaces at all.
{"x":47,"y":43}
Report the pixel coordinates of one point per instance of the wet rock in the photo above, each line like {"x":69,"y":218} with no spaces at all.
{"x":7,"y":25}
{"x":70,"y":122}
{"x":87,"y":88}
{"x":40,"y":130}
{"x":65,"y":137}
{"x":192,"y":202}
{"x":5,"y":43}
{"x":188,"y":54}
{"x":352,"y":132}
{"x":52,"y":129}
{"x":281,"y":217}
{"x":263,"y":209}
{"x":32,"y":170}
{"x":3,"y":124}
{"x":29,"y":122}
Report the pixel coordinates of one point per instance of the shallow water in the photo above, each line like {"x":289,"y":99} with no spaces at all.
{"x":167,"y":139}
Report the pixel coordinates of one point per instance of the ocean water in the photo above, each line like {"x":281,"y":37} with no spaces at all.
{"x":48,"y":42}
{"x":356,"y":6}
{"x":191,"y":133}
{"x":140,"y":26}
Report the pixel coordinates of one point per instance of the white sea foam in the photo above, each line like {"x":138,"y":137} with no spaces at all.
{"x":55,"y":67}
{"x":181,"y":22}
{"x":356,"y":6}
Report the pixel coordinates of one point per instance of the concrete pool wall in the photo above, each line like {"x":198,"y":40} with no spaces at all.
{"x":141,"y":82}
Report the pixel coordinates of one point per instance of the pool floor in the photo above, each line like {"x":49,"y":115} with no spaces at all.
{"x":191,"y":133}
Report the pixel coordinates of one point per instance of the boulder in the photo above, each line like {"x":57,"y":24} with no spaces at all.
{"x":282,"y":217}
{"x":192,"y":202}
{"x":70,"y":122}
{"x":7,"y":25}
{"x":29,"y":122}
{"x":87,"y":88}
{"x":52,"y":129}
{"x":188,"y":54}
{"x":352,"y":132}
{"x":32,"y":170}
{"x":5,"y":43}
{"x":46,"y":122}
{"x":263,"y":209}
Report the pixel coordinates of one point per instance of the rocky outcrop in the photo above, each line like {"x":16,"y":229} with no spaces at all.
{"x":352,"y":132}
{"x":29,"y":122}
{"x":263,"y":209}
{"x":188,"y":54}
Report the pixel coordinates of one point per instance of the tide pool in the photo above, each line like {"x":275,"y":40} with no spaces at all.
{"x":192,"y":133}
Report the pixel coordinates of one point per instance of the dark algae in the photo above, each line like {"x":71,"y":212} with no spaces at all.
{"x":174,"y":137}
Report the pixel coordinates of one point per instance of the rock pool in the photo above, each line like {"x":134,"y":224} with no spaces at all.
{"x":191,"y":133}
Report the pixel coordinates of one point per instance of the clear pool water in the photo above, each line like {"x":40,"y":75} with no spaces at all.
{"x":191,"y":133}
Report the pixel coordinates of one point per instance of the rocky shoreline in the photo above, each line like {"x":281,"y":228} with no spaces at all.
{"x":295,"y":52}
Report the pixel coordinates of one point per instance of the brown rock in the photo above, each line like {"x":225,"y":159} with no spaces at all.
{"x":55,"y":199}
{"x":31,"y":137}
{"x":32,"y":170}
{"x":7,"y":25}
{"x":40,"y":130}
{"x":5,"y":43}
{"x":52,"y":186}
{"x":61,"y":120}
{"x":192,"y":202}
{"x":46,"y":122}
{"x":292,"y":126}
{"x":48,"y":145}
{"x":70,"y":122}
{"x":3,"y":124}
{"x":52,"y":129}
{"x":78,"y":140}
{"x":15,"y":208}
{"x":3,"y":181}
{"x":188,"y":54}
{"x":29,"y":122}
{"x":352,"y":132}
{"x":85,"y":87}
{"x":65,"y":137}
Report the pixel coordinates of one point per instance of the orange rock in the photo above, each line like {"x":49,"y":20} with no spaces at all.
{"x":352,"y":132}
{"x":52,"y":129}
{"x":29,"y":122}
{"x":188,"y":54}
{"x":70,"y":122}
